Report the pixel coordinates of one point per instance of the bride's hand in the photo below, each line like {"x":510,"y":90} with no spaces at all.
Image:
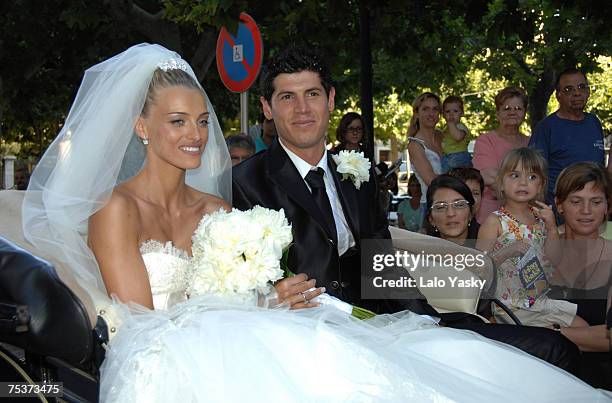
{"x":296,"y":291}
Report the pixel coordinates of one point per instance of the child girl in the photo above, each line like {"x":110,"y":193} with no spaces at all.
{"x":523,"y":222}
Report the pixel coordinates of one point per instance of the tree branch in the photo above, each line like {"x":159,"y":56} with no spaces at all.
{"x":2,"y":104}
{"x":153,"y":26}
{"x":34,"y":67}
{"x":205,"y":53}
{"x":524,"y":66}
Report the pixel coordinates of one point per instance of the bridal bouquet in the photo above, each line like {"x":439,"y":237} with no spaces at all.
{"x":238,"y":253}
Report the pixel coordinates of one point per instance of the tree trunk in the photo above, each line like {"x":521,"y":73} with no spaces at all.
{"x":538,"y":99}
{"x":394,"y":148}
{"x":1,"y":105}
{"x":366,"y":102}
{"x":205,"y":54}
{"x":39,"y":137}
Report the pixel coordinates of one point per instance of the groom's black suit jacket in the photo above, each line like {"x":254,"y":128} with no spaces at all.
{"x":270,"y":179}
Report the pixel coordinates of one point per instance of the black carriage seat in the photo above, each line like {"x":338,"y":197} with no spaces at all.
{"x":59,"y":324}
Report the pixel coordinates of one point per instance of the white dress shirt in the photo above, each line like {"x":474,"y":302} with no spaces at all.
{"x":345,"y":236}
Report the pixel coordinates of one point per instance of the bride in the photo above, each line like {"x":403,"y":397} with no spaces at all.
{"x":117,"y":196}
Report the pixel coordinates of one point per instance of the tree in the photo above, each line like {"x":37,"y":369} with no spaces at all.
{"x":45,"y":52}
{"x":448,"y":47}
{"x":188,"y":27}
{"x":601,"y":93}
{"x":532,"y":41}
{"x":48,"y":45}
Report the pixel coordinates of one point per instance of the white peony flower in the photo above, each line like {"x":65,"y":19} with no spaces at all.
{"x":353,"y":165}
{"x":238,"y":252}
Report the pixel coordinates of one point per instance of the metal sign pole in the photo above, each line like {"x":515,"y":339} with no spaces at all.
{"x":244,"y":112}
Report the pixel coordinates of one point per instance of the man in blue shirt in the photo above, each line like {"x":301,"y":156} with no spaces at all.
{"x":570,"y":134}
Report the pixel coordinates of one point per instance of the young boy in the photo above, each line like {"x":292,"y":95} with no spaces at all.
{"x":456,"y":136}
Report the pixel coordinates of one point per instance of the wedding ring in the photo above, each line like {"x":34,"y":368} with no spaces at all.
{"x":305,"y":299}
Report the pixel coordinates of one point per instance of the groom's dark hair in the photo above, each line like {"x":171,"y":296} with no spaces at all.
{"x":294,"y":59}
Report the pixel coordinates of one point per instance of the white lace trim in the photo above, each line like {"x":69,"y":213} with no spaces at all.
{"x":168,"y":270}
{"x":168,"y":248}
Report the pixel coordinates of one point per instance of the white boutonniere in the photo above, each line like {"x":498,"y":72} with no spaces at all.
{"x":354,"y":166}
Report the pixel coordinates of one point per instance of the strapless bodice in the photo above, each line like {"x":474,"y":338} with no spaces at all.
{"x":167,"y":267}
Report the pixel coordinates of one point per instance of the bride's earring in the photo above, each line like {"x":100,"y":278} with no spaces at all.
{"x":145,"y":141}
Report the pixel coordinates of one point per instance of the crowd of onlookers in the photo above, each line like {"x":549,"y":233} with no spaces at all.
{"x":536,"y":205}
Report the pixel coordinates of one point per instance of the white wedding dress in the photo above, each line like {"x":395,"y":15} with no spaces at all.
{"x":206,"y":350}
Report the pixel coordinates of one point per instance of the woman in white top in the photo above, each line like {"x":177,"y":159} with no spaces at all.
{"x":425,"y":141}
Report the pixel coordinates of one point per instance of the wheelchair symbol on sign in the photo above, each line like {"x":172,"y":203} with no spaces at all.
{"x":237,"y":53}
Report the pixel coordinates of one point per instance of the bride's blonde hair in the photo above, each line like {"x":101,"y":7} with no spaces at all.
{"x":164,"y":79}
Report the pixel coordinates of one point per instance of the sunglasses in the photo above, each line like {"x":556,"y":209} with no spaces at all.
{"x":508,"y":108}
{"x":442,"y":207}
{"x":580,"y":88}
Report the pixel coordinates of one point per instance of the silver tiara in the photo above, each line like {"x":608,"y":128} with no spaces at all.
{"x":173,"y":64}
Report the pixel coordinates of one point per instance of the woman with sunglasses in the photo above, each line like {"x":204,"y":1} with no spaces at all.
{"x":449,"y":212}
{"x":490,"y":148}
{"x":350,"y":133}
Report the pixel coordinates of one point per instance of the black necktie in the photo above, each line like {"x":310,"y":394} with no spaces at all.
{"x":317,"y":186}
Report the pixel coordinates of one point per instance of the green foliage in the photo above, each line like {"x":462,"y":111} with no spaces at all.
{"x":471,"y":48}
{"x":391,"y":118}
{"x":530,"y":41}
{"x":524,"y":43}
{"x":202,"y":13}
{"x":50,"y":44}
{"x":601,"y":93}
{"x":9,"y":148}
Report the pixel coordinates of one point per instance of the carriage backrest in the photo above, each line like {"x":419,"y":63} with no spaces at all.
{"x":59,"y":324}
{"x":11,"y":229}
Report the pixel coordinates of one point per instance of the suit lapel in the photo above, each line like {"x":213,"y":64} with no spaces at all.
{"x":285,"y":175}
{"x":349,"y":198}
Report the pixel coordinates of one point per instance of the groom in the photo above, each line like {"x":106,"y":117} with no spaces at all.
{"x":331,"y":216}
{"x":296,"y":170}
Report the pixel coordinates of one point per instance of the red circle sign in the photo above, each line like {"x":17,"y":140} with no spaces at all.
{"x":239,"y":57}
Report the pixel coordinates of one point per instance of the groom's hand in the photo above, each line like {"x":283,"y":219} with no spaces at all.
{"x":298,"y":291}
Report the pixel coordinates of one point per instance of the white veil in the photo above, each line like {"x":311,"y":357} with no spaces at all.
{"x":95,"y":150}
